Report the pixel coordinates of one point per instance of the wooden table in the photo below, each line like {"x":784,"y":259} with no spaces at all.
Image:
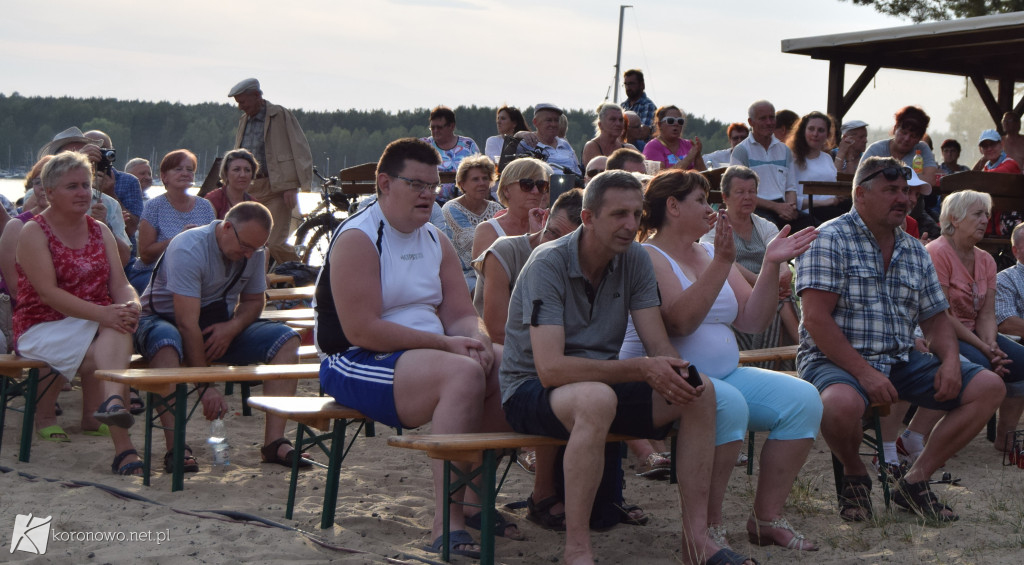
{"x":155,"y":381}
{"x":825,"y":188}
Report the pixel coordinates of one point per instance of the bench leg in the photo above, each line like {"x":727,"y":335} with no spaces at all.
{"x":750,"y":453}
{"x":333,"y":472}
{"x":876,"y":444}
{"x":28,"y":422}
{"x":4,"y":380}
{"x":147,"y":453}
{"x":180,"y":421}
{"x":246,"y":410}
{"x":294,"y":479}
{"x":487,"y":492}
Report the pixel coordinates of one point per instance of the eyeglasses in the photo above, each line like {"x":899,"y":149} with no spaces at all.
{"x":737,"y":138}
{"x":420,"y":186}
{"x":673,"y":121}
{"x":244,"y":246}
{"x":890,"y":173}
{"x":526,"y":185}
{"x":434,"y":127}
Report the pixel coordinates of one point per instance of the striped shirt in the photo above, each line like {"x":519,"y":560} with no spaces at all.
{"x":877,"y":309}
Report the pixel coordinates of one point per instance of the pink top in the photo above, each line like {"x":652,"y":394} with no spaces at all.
{"x":83,"y":272}
{"x":219,"y":199}
{"x":967,"y":291}
{"x":655,"y":150}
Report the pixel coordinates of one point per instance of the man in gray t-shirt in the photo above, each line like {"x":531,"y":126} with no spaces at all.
{"x":185,"y":323}
{"x":560,"y":373}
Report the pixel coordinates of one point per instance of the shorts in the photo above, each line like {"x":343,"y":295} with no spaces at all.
{"x":363,"y":380}
{"x":258,"y":343}
{"x":529,"y":411}
{"x":914,"y":380}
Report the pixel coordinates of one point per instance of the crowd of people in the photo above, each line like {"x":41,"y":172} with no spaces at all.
{"x":523,"y":304}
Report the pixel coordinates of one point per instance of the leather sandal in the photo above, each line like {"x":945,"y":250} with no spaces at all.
{"x":113,"y":413}
{"x":186,"y":467}
{"x":757,"y":532}
{"x":540,"y":513}
{"x":269,"y":454}
{"x":855,"y":498}
{"x":128,"y":469}
{"x":919,"y":498}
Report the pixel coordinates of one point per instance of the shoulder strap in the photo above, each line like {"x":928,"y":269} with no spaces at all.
{"x":156,"y":269}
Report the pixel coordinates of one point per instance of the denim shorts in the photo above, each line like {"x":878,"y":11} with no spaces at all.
{"x":914,"y":380}
{"x":528,"y":411}
{"x":258,"y":343}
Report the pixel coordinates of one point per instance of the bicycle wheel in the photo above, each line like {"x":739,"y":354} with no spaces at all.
{"x":314,"y":238}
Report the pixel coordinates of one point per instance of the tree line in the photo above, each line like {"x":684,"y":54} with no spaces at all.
{"x":337,"y":139}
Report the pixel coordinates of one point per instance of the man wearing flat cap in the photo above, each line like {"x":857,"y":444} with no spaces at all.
{"x":558,"y":151}
{"x":274,"y":137}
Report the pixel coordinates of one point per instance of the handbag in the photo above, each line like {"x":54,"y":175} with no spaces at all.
{"x":215,"y":312}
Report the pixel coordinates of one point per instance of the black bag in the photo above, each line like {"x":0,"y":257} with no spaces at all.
{"x":215,"y":312}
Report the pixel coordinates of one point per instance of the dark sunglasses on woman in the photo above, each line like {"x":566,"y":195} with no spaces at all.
{"x":526,"y":185}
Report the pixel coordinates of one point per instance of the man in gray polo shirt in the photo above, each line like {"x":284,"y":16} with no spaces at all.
{"x":560,"y":373}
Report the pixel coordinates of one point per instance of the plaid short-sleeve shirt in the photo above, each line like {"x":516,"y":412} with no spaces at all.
{"x":877,"y":310}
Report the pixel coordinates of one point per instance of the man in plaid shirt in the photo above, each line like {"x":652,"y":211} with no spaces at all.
{"x":637,"y":101}
{"x":865,"y":284}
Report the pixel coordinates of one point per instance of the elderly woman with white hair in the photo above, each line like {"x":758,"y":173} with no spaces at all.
{"x":968,"y":277}
{"x":610,"y":125}
{"x":465,"y":212}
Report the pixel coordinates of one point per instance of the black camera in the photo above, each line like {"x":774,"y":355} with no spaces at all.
{"x":107,"y":158}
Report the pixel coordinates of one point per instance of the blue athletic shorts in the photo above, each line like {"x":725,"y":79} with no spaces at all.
{"x":529,"y":411}
{"x":363,"y":380}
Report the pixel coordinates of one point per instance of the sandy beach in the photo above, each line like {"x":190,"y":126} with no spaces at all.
{"x":385,"y":508}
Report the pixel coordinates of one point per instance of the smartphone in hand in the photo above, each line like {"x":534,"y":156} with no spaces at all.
{"x":692,"y":376}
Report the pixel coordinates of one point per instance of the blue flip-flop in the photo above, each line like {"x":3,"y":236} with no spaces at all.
{"x":455,"y":539}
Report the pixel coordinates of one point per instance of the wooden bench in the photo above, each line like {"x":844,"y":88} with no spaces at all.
{"x":150,"y":380}
{"x":12,"y":368}
{"x":292,"y":293}
{"x":319,"y":413}
{"x":274,"y":279}
{"x":362,"y":179}
{"x":483,"y":449}
{"x":287,"y":315}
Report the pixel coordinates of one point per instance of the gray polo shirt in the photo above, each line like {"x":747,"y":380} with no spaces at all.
{"x":551,"y":290}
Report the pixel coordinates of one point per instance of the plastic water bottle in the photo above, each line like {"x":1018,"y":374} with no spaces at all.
{"x":918,"y":163}
{"x":219,"y":444}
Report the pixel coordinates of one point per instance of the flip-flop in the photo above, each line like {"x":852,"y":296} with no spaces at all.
{"x":53,"y":433}
{"x":455,"y":539}
{"x":102,"y":431}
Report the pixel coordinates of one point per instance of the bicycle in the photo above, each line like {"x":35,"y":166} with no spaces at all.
{"x":313,"y":236}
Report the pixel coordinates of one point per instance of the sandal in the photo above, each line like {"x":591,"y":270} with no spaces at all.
{"x":527,"y":459}
{"x":756,"y":532}
{"x":539,"y":513}
{"x":719,"y":535}
{"x":135,"y":404}
{"x":457,"y":541}
{"x":269,"y":453}
{"x":113,"y":413}
{"x":855,"y":498}
{"x":656,"y":467}
{"x":102,"y":431}
{"x":54,"y":433}
{"x":726,"y":556}
{"x":627,"y":511}
{"x":919,"y":498}
{"x":501,"y":525}
{"x":186,"y":467}
{"x":130,"y":469}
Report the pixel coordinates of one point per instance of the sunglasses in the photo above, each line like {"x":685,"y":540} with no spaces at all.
{"x":890,"y":173}
{"x":673,"y":121}
{"x":526,"y":185}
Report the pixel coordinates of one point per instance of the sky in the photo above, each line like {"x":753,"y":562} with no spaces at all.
{"x":711,"y":58}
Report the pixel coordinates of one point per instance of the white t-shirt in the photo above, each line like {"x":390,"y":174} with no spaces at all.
{"x":821,"y":168}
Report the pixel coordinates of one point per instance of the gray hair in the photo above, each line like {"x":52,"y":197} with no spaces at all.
{"x":871,"y":165}
{"x":132,"y":163}
{"x":955,"y":207}
{"x":1018,"y":233}
{"x":737,"y":172}
{"x":603,"y":109}
{"x":593,"y":195}
{"x":753,"y":107}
